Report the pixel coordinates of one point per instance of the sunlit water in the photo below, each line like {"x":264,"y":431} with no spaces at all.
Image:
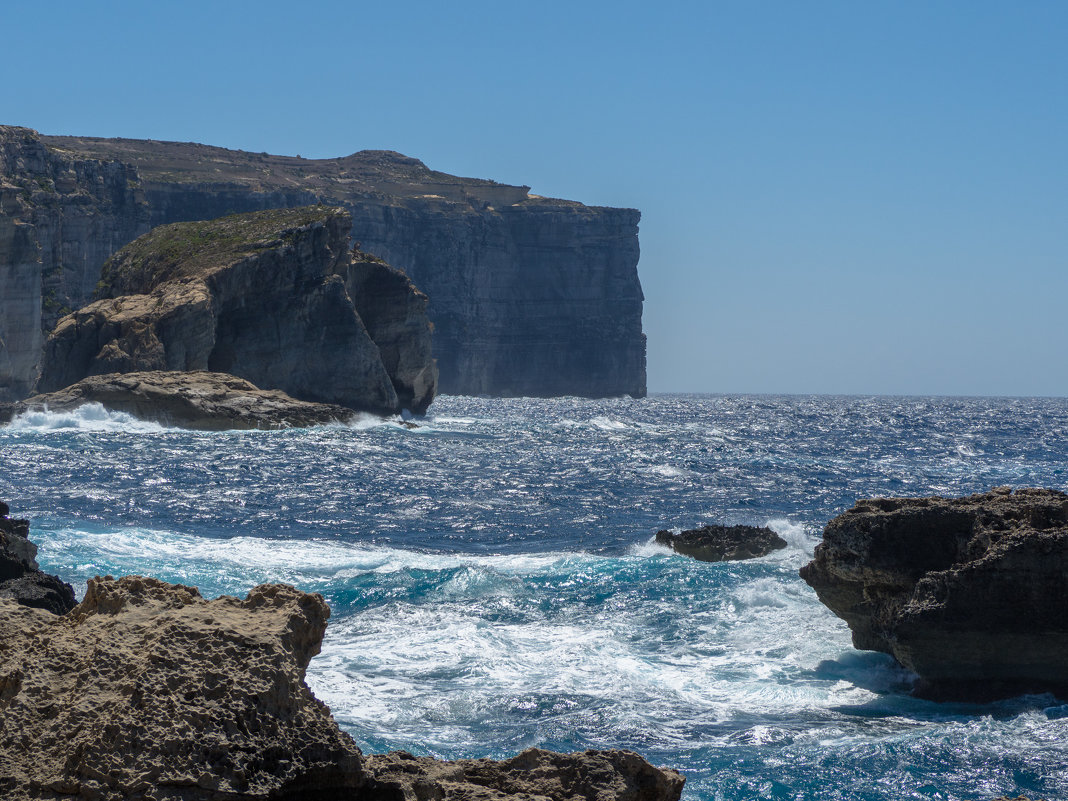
{"x":494,"y":585}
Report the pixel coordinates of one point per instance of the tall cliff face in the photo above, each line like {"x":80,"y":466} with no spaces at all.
{"x":528,"y":295}
{"x":261,"y":296}
{"x":61,"y":217}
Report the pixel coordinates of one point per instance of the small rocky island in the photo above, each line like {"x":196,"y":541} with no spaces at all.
{"x":968,"y":593}
{"x":146,"y":690}
{"x":276,"y":298}
{"x":716,"y":543}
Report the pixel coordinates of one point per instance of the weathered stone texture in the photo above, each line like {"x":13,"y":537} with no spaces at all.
{"x":261,"y":296}
{"x":528,"y":295}
{"x":969,"y":593}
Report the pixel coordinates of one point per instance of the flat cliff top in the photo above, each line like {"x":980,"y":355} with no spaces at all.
{"x":192,"y":162}
{"x":196,"y":249}
{"x":366,"y":173}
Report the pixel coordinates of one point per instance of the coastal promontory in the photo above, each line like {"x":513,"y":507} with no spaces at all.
{"x":270,"y":297}
{"x":528,"y":295}
{"x":968,"y":593}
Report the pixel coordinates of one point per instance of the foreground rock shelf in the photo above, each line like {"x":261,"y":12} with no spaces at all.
{"x":968,"y":593}
{"x":145,"y":690}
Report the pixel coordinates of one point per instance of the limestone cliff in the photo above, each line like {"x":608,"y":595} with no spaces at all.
{"x":261,"y":296}
{"x":528,"y":295}
{"x":61,"y":217}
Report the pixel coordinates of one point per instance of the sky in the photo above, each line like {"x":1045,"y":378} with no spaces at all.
{"x":837,"y":197}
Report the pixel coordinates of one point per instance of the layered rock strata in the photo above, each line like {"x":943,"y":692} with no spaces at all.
{"x":198,"y":400}
{"x":21,"y":578}
{"x":529,"y":295}
{"x":145,"y":690}
{"x":968,"y":593}
{"x":716,"y":543}
{"x":61,"y":217}
{"x":261,"y":296}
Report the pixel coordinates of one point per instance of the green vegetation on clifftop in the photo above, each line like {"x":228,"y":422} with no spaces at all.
{"x":195,"y":249}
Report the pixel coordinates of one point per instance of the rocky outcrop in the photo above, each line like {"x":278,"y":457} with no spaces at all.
{"x":592,"y":776}
{"x":968,"y":593}
{"x":145,"y":690}
{"x":528,"y":295}
{"x":198,"y":400}
{"x":394,"y":312}
{"x":21,"y":579}
{"x":717,"y":543}
{"x":261,"y":296}
{"x":61,"y":217}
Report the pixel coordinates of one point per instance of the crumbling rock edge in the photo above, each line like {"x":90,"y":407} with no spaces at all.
{"x":968,"y":593}
{"x":146,"y":690}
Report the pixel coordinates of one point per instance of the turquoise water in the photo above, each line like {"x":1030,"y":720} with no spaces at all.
{"x":494,"y":584}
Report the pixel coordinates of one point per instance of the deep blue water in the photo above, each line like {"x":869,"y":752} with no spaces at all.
{"x":494,"y":585}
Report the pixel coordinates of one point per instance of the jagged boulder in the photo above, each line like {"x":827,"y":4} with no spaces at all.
{"x":199,"y":400}
{"x":716,"y":543}
{"x":968,"y":593}
{"x":21,"y":579}
{"x":261,"y":296}
{"x":146,"y":690}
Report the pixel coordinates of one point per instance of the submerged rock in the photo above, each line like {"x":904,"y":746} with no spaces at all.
{"x":717,"y":543}
{"x":261,"y":296}
{"x":590,"y":776}
{"x":21,"y":579}
{"x":969,"y":593}
{"x":199,"y":400}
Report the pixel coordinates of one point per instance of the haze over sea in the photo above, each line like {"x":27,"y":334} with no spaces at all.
{"x":494,"y":585}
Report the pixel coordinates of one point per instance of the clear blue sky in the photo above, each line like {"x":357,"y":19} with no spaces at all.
{"x":839,"y":197}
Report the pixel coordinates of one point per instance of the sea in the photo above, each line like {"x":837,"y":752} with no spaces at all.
{"x":495,"y":585}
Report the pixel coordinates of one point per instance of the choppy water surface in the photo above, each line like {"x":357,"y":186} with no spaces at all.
{"x":494,"y":585}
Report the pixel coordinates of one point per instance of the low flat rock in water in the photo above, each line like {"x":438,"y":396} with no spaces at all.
{"x":198,"y":400}
{"x":968,"y":593}
{"x":716,"y":543}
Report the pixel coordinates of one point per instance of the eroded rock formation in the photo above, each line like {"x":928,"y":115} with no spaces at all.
{"x":21,"y":579}
{"x":61,"y":217}
{"x":145,"y":690}
{"x":261,"y":296}
{"x":969,"y":593}
{"x":717,"y":543}
{"x":529,"y":295}
{"x":199,"y":400}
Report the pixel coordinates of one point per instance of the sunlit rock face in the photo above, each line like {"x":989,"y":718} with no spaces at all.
{"x":528,"y":295}
{"x":261,"y":296}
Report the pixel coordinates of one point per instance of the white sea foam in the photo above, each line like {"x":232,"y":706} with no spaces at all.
{"x":90,"y":417}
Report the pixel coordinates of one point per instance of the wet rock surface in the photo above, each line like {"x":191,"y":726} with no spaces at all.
{"x":968,"y":593}
{"x":715,"y":543}
{"x":199,"y":400}
{"x":21,"y":579}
